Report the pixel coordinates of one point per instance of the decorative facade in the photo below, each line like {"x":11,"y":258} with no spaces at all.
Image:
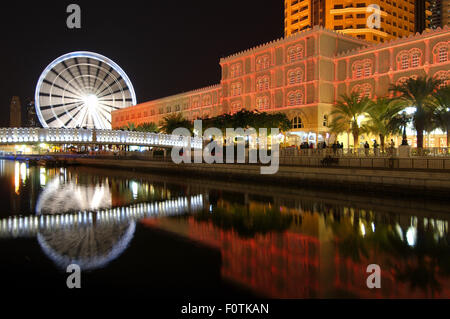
{"x":302,"y":76}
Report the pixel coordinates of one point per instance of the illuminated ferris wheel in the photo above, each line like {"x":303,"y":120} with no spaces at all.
{"x":80,"y":89}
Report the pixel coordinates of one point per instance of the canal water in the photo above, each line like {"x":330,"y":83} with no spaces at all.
{"x":137,"y":234}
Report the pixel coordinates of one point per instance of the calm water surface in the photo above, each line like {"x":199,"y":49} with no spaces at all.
{"x":138,"y":234}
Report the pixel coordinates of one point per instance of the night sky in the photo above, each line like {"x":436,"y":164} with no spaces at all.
{"x":165,"y":47}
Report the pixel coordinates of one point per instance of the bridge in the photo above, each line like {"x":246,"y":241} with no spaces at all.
{"x":13,"y":136}
{"x":27,"y":226}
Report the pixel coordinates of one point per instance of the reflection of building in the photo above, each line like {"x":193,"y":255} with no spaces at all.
{"x":302,"y":76}
{"x":15,"y":112}
{"x":350,"y":17}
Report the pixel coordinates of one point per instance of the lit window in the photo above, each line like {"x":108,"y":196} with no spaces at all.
{"x":295,"y":53}
{"x":236,"y":89}
{"x":296,"y":122}
{"x":236,"y":70}
{"x":235,"y":107}
{"x":405,"y":62}
{"x":262,"y":103}
{"x":295,"y":76}
{"x":415,"y":59}
{"x":262,"y":63}
{"x":295,"y":98}
{"x":367,"y":68}
{"x":263,"y":84}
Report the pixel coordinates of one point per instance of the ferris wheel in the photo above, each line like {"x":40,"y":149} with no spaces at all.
{"x":80,"y":89}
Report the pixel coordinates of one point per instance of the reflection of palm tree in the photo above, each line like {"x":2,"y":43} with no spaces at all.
{"x":419,"y":265}
{"x":247,"y":223}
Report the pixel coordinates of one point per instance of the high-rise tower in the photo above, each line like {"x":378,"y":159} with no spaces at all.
{"x":397,"y":17}
{"x":15,"y":112}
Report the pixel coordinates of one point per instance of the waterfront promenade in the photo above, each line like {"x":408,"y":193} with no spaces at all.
{"x":414,"y":175}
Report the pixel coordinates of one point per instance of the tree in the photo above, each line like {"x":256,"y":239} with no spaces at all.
{"x":382,"y":118}
{"x":129,"y":127}
{"x":174,"y":121}
{"x":348,"y":114}
{"x":441,"y":113}
{"x":419,"y":94}
{"x":147,"y":127}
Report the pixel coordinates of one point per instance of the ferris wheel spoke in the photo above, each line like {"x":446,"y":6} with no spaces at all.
{"x":60,"y":87}
{"x":73,"y":76}
{"x":58,"y":75}
{"x":55,"y":106}
{"x":116,"y":91}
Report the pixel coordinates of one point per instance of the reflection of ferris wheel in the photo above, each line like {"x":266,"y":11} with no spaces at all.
{"x":80,"y":89}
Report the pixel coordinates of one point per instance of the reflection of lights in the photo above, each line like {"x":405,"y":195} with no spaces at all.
{"x":363,"y":229}
{"x":16,"y":177}
{"x":42,"y":176}
{"x":411,"y":236}
{"x":23,"y":172}
{"x":373,"y":227}
{"x":134,"y":189}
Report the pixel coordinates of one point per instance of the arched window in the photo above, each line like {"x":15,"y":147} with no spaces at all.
{"x":367,"y":68}
{"x":206,"y":100}
{"x":296,"y":122}
{"x":195,"y":103}
{"x":409,"y":59}
{"x":295,"y":76}
{"x":236,"y":70}
{"x":443,"y":54}
{"x":262,"y":103}
{"x":444,"y":76}
{"x":325,"y":120}
{"x":263,"y":84}
{"x":262,"y":62}
{"x":235,"y":107}
{"x":415,"y":56}
{"x":363,"y":90}
{"x":295,"y":98}
{"x":236,"y":89}
{"x":362,"y":68}
{"x":441,"y":51}
{"x":295,"y":53}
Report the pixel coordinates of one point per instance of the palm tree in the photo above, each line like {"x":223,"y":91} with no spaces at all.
{"x":418,"y":93}
{"x":382,"y":114}
{"x":147,"y":127}
{"x":348,"y":113}
{"x":129,"y":127}
{"x":441,"y":114}
{"x":174,"y":121}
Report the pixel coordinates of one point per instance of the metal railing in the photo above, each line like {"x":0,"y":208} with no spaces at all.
{"x":365,"y":152}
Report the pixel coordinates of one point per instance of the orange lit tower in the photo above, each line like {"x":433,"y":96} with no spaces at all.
{"x":350,"y":17}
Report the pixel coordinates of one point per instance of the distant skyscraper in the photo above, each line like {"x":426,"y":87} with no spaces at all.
{"x":15,"y":113}
{"x":446,"y":12}
{"x":436,"y":14}
{"x":397,"y":17}
{"x":422,"y":14}
{"x":32,"y":120}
